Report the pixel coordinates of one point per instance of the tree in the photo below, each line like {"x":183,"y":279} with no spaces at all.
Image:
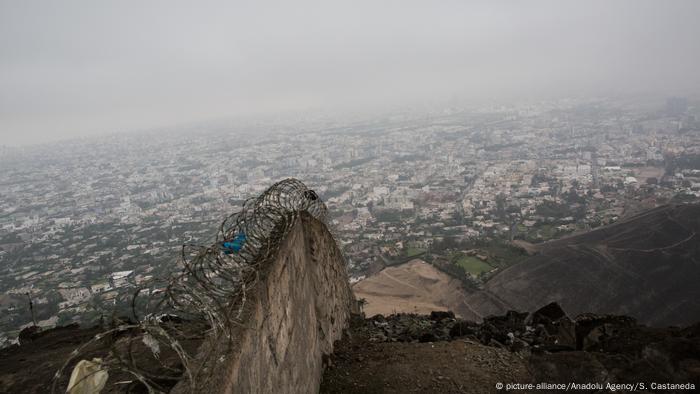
{"x":515,"y":218}
{"x":361,"y":303}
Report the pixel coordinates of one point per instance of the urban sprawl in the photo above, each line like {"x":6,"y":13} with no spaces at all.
{"x":85,"y":223}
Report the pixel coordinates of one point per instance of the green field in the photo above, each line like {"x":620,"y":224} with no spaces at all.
{"x":414,"y":251}
{"x":547,"y":231}
{"x":472,"y":264}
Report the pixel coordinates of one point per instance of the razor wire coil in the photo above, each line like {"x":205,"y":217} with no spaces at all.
{"x":209,"y":292}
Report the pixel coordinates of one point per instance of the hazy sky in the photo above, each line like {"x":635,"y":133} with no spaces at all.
{"x":70,"y":68}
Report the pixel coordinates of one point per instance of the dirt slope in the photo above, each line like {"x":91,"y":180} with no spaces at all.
{"x":414,"y":287}
{"x":445,"y":367}
{"x":360,"y":365}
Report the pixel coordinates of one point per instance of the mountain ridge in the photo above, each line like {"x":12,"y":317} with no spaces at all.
{"x":645,"y":266}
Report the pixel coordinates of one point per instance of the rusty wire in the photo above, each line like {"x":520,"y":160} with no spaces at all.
{"x":206,"y":298}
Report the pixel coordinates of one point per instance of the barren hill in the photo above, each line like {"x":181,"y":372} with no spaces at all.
{"x":646,"y":266}
{"x":414,"y":287}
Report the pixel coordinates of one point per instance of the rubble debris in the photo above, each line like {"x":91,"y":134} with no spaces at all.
{"x":548,"y":329}
{"x":385,"y":352}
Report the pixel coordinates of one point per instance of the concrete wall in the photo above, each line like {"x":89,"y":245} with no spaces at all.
{"x":300,"y":307}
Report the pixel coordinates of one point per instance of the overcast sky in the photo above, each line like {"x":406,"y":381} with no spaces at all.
{"x":71,"y":68}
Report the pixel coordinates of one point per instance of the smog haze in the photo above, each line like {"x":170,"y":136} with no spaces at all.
{"x":79,"y":68}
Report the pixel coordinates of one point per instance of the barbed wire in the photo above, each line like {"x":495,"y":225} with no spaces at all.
{"x":206,"y":298}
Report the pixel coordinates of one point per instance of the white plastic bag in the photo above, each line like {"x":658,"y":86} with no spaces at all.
{"x":88,"y":377}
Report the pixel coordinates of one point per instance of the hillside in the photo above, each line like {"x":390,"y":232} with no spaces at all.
{"x":440,"y":354}
{"x":414,"y":287}
{"x":646,"y":266}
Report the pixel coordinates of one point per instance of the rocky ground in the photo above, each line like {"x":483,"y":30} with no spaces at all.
{"x":438,"y":353}
{"x":31,"y":366}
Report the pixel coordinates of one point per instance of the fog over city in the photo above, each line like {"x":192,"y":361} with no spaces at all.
{"x":383,"y":196}
{"x":78,"y":68}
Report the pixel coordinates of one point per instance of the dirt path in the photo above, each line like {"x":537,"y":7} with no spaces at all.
{"x":388,"y":275}
{"x":528,"y":247}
